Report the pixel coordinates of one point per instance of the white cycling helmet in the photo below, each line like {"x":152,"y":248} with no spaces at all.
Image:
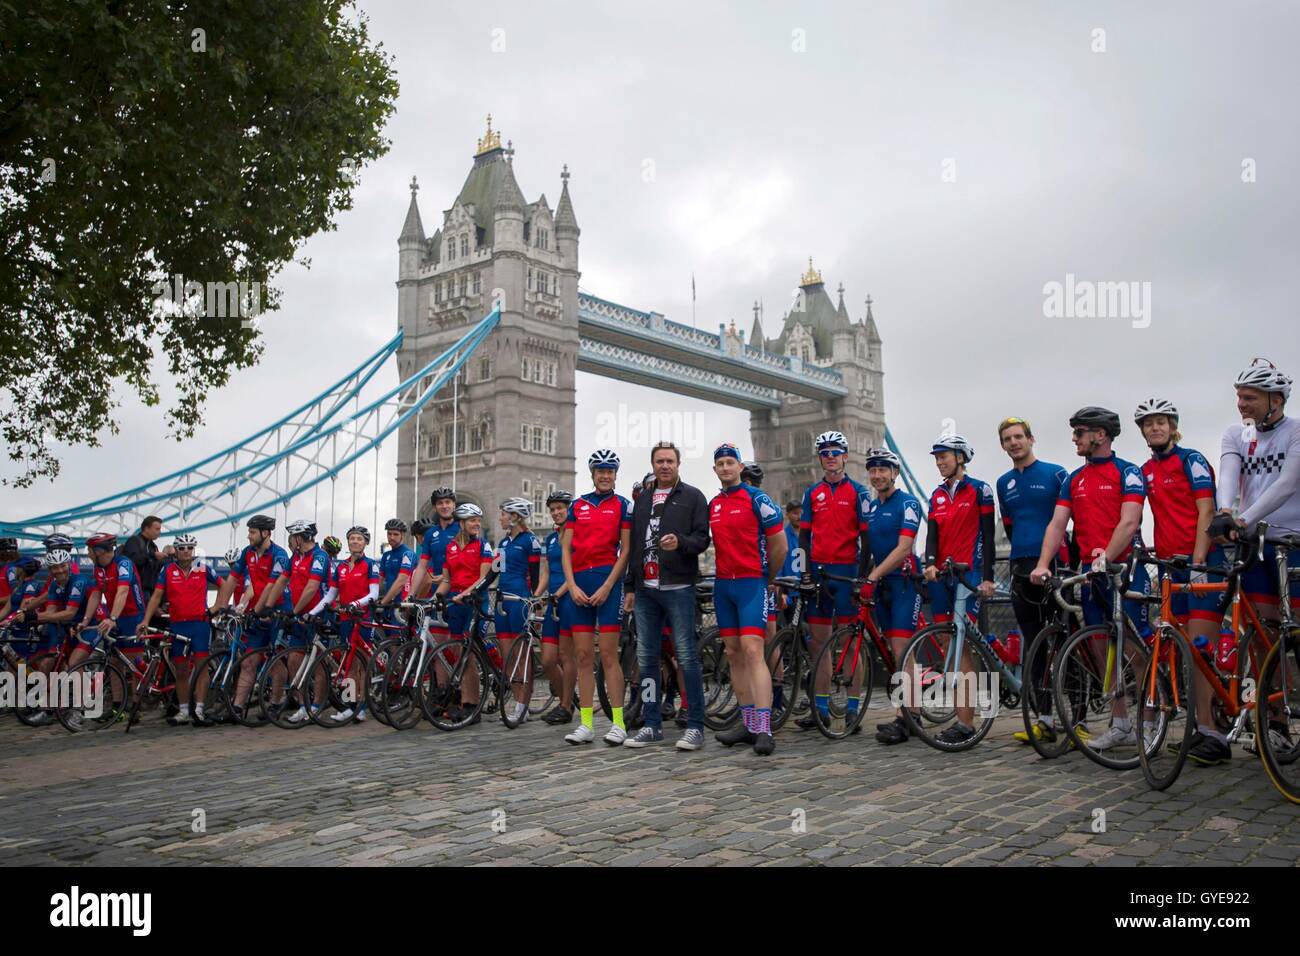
{"x":883,"y":456}
{"x":518,"y":506}
{"x":57,"y":556}
{"x":467,"y":510}
{"x":1155,"y":406}
{"x":301,"y":526}
{"x":1265,"y":376}
{"x":831,"y":439}
{"x":233,"y":555}
{"x":954,"y":443}
{"x":603,"y":458}
{"x":186,"y":541}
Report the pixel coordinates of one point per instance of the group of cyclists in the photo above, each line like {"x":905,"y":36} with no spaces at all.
{"x":854,"y":540}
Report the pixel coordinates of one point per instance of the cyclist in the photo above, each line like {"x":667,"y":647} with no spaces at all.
{"x":1259,"y":480}
{"x":791,"y":567}
{"x":893,"y":519}
{"x":752,"y":474}
{"x":433,"y":552}
{"x":8,"y":566}
{"x":749,"y":549}
{"x":517,"y":565}
{"x":117,"y":587}
{"x":1180,"y":489}
{"x":1027,"y":496}
{"x":395,"y":565}
{"x":309,"y":580}
{"x":833,"y":533}
{"x":264,"y":567}
{"x":959,"y":528}
{"x":61,"y":542}
{"x":557,"y":640}
{"x":468,"y":560}
{"x":595,"y":545}
{"x":357,"y":583}
{"x":27,"y":591}
{"x":65,"y":600}
{"x":1104,"y":497}
{"x":183,"y":583}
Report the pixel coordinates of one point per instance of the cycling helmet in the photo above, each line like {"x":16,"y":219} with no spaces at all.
{"x":467,"y":510}
{"x":301,"y":526}
{"x":518,"y":506}
{"x":395,"y":524}
{"x":440,"y":493}
{"x":8,"y":544}
{"x":332,"y":545}
{"x":727,"y":450}
{"x":1155,"y":406}
{"x":57,"y":556}
{"x":55,"y":541}
{"x":883,"y":457}
{"x":419,"y":526}
{"x":101,"y":542}
{"x":358,"y":529}
{"x":603,"y":458}
{"x":954,"y":443}
{"x":28,"y":565}
{"x":186,"y":541}
{"x":233,"y":555}
{"x":831,"y":439}
{"x":261,"y":523}
{"x":752,"y":473}
{"x":562,"y":497}
{"x":1265,"y":376}
{"x":1092,"y":416}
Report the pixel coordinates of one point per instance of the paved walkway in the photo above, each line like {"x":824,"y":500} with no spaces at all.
{"x":366,"y":794}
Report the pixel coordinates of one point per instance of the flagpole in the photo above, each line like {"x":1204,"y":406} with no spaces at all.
{"x":692,"y":300}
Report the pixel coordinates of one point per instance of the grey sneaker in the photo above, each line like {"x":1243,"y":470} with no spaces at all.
{"x":691,"y":740}
{"x":1114,"y":737}
{"x":644,"y":738}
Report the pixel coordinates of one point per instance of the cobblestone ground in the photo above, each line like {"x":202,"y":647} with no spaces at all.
{"x":366,"y":795}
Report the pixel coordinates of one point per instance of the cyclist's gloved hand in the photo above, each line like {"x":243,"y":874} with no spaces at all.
{"x":262,"y":613}
{"x":1221,"y":525}
{"x":805,"y":580}
{"x":867,"y":591}
{"x":29,"y":616}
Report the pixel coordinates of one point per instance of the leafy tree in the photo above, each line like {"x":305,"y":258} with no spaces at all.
{"x":145,"y":140}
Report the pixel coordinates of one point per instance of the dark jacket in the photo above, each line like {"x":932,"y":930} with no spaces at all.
{"x":145,"y":556}
{"x":686,"y":514}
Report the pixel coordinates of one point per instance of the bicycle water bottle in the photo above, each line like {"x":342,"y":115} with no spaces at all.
{"x":1013,"y":646}
{"x":494,"y":653}
{"x":1226,"y":658}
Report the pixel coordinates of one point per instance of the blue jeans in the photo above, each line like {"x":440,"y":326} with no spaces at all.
{"x":677,"y":607}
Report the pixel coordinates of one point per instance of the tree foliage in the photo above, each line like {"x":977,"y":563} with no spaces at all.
{"x":145,"y":140}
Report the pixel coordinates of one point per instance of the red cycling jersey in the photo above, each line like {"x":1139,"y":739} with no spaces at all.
{"x":835,"y":514}
{"x":596,"y":523}
{"x":186,"y":592}
{"x":464,"y":562}
{"x":741,"y":519}
{"x":1095,"y":494}
{"x":1175,"y":483}
{"x":956,"y":514}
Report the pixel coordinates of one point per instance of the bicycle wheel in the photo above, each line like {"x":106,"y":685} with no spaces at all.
{"x":518,"y":683}
{"x":1278,"y":716}
{"x":786,"y":665}
{"x":400,"y":690}
{"x":932,"y":689}
{"x":325,"y":692}
{"x":143,"y":683}
{"x":455,"y":669}
{"x":1089,"y":679}
{"x":847,"y":655}
{"x":377,"y":674}
{"x":213,"y":675}
{"x":724,"y":711}
{"x":277,"y":670}
{"x":96,"y":696}
{"x":1036,"y":693}
{"x":1168,"y":710}
{"x":31,"y":716}
{"x":544,"y":693}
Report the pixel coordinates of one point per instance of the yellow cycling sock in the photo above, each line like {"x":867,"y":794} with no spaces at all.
{"x":586,"y":717}
{"x":618,"y":717}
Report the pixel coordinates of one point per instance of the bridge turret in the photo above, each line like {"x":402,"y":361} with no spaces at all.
{"x":410,"y":250}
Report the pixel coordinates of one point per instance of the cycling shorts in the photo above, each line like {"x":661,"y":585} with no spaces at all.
{"x":835,"y":600}
{"x":741,"y":607}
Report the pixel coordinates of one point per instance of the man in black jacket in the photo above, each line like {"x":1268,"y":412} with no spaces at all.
{"x":670,"y":530}
{"x":144,"y":554}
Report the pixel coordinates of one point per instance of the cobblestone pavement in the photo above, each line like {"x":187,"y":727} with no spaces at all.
{"x":366,"y":795}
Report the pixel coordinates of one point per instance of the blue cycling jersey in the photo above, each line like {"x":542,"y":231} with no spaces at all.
{"x":398,"y":560}
{"x":515,"y":555}
{"x":1027,"y":498}
{"x":889,"y":520}
{"x":554,"y":562}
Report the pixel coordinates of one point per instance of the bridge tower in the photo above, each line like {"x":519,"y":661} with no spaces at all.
{"x":818,"y":332}
{"x":509,"y":430}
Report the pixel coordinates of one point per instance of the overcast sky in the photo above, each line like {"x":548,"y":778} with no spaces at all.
{"x":950,"y":159}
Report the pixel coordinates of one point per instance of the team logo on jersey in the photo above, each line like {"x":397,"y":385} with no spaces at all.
{"x":766,"y":510}
{"x":717,"y":507}
{"x":1199,"y":469}
{"x":1133,"y":480}
{"x":1011,"y":484}
{"x":911,"y":514}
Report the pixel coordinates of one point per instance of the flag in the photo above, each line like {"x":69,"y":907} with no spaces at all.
{"x":692,"y":286}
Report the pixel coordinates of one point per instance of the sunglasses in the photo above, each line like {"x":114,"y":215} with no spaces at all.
{"x":184,"y":547}
{"x":1080,"y":432}
{"x":831,"y":453}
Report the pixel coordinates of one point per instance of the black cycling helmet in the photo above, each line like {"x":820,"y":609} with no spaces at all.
{"x":562,"y":497}
{"x":261,"y":523}
{"x":52,"y":542}
{"x":8,"y":544}
{"x":1093,"y":416}
{"x":440,"y":493}
{"x":358,"y":529}
{"x":29,"y":565}
{"x":419,"y":526}
{"x":752,"y":474}
{"x":395,"y":524}
{"x":332,"y":546}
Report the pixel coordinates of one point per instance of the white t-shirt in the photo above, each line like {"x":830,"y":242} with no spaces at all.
{"x":1264,"y":467}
